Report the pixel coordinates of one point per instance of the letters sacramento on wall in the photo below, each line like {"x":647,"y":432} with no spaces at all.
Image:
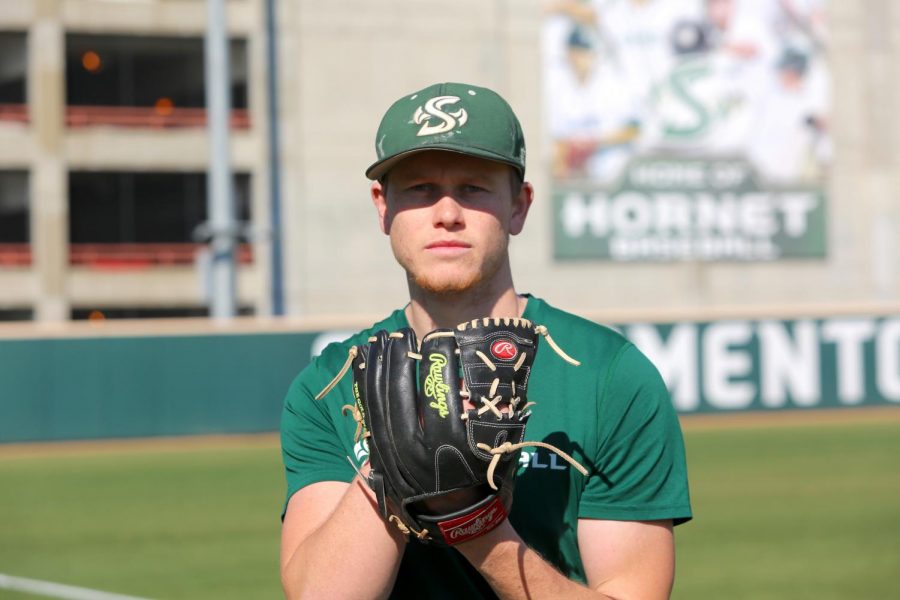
{"x":687,"y":129}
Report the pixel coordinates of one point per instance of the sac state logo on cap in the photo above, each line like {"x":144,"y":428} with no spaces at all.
{"x":504,"y":350}
{"x":435,"y":119}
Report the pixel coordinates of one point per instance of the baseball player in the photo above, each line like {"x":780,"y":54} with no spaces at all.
{"x":449,"y":191}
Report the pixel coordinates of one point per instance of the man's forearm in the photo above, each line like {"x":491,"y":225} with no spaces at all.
{"x":515,"y":571}
{"x":354,"y":553}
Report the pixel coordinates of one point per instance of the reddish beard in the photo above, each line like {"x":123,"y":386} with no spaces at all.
{"x":433,"y":284}
{"x":476,"y":279}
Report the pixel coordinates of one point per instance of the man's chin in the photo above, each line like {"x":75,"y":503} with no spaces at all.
{"x":446,"y":286}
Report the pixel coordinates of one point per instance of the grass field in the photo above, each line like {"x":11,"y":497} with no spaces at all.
{"x":790,"y":512}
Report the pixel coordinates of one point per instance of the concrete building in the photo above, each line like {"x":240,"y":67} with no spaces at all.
{"x":341,"y":63}
{"x":113,"y":111}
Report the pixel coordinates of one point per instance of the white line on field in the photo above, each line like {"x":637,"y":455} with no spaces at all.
{"x":57,"y":590}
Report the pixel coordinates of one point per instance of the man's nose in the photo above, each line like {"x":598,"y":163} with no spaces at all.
{"x":448,"y":212}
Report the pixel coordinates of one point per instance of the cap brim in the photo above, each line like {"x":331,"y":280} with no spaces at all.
{"x":378,"y":169}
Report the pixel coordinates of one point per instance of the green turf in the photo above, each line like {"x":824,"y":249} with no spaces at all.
{"x":193,"y":524}
{"x":787,"y":513}
{"x":793,"y":513}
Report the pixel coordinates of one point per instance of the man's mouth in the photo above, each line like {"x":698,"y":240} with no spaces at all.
{"x":446,"y":244}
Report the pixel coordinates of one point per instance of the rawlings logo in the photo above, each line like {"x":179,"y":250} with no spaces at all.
{"x":504,"y":350}
{"x":476,"y":528}
{"x":435,"y":388}
{"x":470,"y":526}
{"x":433,"y":109}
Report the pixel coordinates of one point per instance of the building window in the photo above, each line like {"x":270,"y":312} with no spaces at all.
{"x":141,"y":219}
{"x":145,"y":81}
{"x":14,"y":227}
{"x":13,"y":65}
{"x":16,"y":314}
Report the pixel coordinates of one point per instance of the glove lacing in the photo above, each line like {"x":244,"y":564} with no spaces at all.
{"x":509,"y":447}
{"x":357,"y":416}
{"x":489,"y":403}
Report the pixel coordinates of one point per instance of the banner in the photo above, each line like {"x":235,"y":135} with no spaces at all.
{"x":134,"y":386}
{"x":687,"y":130}
{"x":739,"y":365}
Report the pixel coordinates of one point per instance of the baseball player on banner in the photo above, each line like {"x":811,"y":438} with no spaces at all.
{"x":477,"y":442}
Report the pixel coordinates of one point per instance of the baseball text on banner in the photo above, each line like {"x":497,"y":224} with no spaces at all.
{"x":687,"y":130}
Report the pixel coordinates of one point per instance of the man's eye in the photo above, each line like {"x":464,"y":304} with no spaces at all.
{"x":474,"y":189}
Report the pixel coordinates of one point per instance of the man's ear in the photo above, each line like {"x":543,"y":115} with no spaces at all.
{"x":521,"y":203}
{"x":379,"y":199}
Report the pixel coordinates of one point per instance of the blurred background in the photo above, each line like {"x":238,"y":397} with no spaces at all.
{"x":105,"y":149}
{"x":715,"y":178}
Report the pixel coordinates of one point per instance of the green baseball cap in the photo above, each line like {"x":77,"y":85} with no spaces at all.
{"x":455,"y":117}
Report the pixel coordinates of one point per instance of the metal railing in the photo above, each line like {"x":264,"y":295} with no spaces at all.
{"x":16,"y":113}
{"x":129,"y":116}
{"x":133,"y":256}
{"x":149,"y":116}
{"x":15,"y":255}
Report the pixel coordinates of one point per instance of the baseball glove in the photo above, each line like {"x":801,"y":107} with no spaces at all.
{"x":445,"y":422}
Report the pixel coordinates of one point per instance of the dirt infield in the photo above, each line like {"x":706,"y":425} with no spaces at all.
{"x":707,"y":422}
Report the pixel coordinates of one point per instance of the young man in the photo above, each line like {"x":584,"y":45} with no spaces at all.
{"x":449,"y":191}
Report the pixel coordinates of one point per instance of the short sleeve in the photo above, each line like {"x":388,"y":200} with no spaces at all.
{"x":310,"y":444}
{"x":641,"y":472}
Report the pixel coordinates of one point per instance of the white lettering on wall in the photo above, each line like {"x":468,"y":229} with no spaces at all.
{"x":676,"y":360}
{"x":887,"y":365}
{"x":712,"y":366}
{"x":796,"y":208}
{"x":789,"y":367}
{"x":722,"y":364}
{"x":581,"y":214}
{"x":849,"y":335}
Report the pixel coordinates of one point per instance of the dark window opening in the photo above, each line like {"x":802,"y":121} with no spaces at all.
{"x":16,"y":314}
{"x":14,"y":219}
{"x":14,"y":207}
{"x":13,"y":68}
{"x":145,"y":81}
{"x":145,"y":218}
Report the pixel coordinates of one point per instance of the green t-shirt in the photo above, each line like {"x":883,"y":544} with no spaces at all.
{"x":612,"y":414}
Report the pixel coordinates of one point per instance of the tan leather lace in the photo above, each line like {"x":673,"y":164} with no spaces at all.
{"x":405,"y":530}
{"x":354,"y":351}
{"x":542,"y":329}
{"x":357,"y":416}
{"x":508,"y":447}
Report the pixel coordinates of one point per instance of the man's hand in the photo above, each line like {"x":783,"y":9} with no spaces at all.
{"x":324,"y":524}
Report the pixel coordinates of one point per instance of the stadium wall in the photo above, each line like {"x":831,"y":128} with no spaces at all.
{"x":120,"y":380}
{"x":344,"y":62}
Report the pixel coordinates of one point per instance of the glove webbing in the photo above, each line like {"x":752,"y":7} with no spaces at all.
{"x":490,"y":403}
